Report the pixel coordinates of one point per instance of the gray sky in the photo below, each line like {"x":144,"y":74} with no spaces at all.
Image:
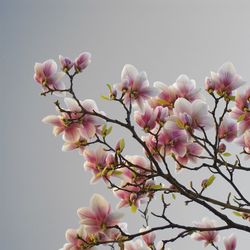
{"x":41,"y":187}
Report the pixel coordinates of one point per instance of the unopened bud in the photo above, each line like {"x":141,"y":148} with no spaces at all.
{"x":222,"y":148}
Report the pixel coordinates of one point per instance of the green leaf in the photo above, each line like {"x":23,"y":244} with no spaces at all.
{"x":241,"y":117}
{"x":122,"y":144}
{"x":173,"y":196}
{"x":210,"y":180}
{"x":108,"y":130}
{"x":156,"y":187}
{"x":110,"y":172}
{"x":226,"y":154}
{"x":104,"y":130}
{"x":105,"y":97}
{"x":133,"y":208}
{"x":117,"y":172}
{"x":109,"y":87}
{"x":231,"y":98}
{"x":180,"y":123}
{"x":237,"y":214}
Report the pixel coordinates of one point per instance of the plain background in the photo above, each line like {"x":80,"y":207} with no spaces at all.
{"x":41,"y":187}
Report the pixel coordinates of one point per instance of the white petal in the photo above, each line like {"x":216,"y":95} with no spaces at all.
{"x":129,"y":72}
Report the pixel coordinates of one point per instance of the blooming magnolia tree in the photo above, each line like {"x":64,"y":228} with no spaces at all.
{"x":177,"y":132}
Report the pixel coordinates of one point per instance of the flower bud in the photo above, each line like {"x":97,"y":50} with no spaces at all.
{"x":82,"y":61}
{"x":66,"y":63}
{"x":222,"y":148}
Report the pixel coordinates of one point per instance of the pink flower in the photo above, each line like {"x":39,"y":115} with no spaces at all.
{"x":162,"y":115}
{"x":135,"y":86}
{"x":146,"y":120}
{"x":186,"y":88}
{"x":46,"y":74}
{"x":152,"y":146}
{"x":227,"y":130}
{"x":82,"y":61}
{"x":230,"y":242}
{"x":244,"y":141}
{"x":129,"y":197}
{"x":71,"y":145}
{"x":173,"y":139}
{"x":96,"y":163}
{"x":140,"y":166}
{"x":193,"y":115}
{"x":167,"y":96}
{"x":62,"y":124}
{"x":77,"y":240}
{"x":148,"y":238}
{"x":98,"y":218}
{"x":66,"y":63}
{"x":209,"y":84}
{"x":209,"y":237}
{"x":89,"y":124}
{"x":226,"y":80}
{"x":193,"y":150}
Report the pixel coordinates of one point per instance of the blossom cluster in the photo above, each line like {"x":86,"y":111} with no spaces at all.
{"x":171,"y":120}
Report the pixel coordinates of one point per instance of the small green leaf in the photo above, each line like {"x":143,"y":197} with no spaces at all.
{"x":180,"y":123}
{"x":104,"y":130}
{"x":118,"y":173}
{"x":241,"y":117}
{"x":156,"y":187}
{"x":133,"y":208}
{"x":237,"y":214}
{"x":231,"y":98}
{"x":108,"y":130}
{"x":122,"y":144}
{"x":210,"y":180}
{"x":226,"y":154}
{"x":173,"y":196}
{"x":105,"y":97}
{"x":109,"y":87}
{"x":110,"y":172}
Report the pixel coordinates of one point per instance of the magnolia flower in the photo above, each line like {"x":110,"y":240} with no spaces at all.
{"x":226,"y":80}
{"x":192,"y":152}
{"x":152,"y":145}
{"x":134,"y":245}
{"x":146,"y":120}
{"x":82,"y":61}
{"x":62,"y":124}
{"x":173,"y":139}
{"x":167,"y":96}
{"x":135,"y":86}
{"x":96,"y":163}
{"x":89,"y":124}
{"x":66,"y":63}
{"x":98,"y":218}
{"x":209,"y":237}
{"x":148,"y":238}
{"x":162,"y":115}
{"x":129,"y":197}
{"x":230,"y":242}
{"x":71,"y":145}
{"x":138,"y":167}
{"x":240,"y":111}
{"x":186,"y":88}
{"x":46,"y":74}
{"x":227,"y":130}
{"x":193,"y":115}
{"x":244,"y":141}
{"x":75,"y":242}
